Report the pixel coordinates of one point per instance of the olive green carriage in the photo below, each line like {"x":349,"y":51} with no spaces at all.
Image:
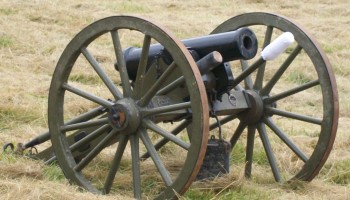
{"x":137,"y":121}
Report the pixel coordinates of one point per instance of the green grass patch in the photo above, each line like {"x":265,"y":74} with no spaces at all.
{"x":334,"y":48}
{"x":198,"y":194}
{"x":341,"y":70}
{"x":290,"y":49}
{"x":8,"y":158}
{"x":131,"y":6}
{"x":151,"y":186}
{"x":259,"y":157}
{"x":85,"y":79}
{"x":43,"y":19}
{"x":137,"y":45}
{"x":7,"y":11}
{"x":340,"y":172}
{"x":5,"y":41}
{"x":53,"y":173}
{"x":239,"y":152}
{"x":298,"y":77}
{"x":128,"y":7}
{"x":49,"y":50}
{"x":241,"y":193}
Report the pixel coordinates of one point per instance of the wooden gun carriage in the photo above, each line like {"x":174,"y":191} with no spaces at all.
{"x":137,"y":120}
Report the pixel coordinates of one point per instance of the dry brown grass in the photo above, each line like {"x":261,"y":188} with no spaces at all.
{"x":33,"y":34}
{"x":24,"y":178}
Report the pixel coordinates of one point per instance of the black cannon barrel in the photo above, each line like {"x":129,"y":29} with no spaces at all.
{"x":232,"y":45}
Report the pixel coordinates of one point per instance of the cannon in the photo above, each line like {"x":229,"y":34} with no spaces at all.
{"x":131,"y":108}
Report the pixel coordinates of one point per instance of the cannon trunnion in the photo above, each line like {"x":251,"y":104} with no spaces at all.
{"x":131,"y":108}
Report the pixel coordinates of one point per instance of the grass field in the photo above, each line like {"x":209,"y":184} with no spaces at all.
{"x":33,"y":34}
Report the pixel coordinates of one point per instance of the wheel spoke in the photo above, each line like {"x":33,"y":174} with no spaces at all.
{"x":121,"y":64}
{"x":80,"y":118}
{"x":248,"y":71}
{"x":249,"y":151}
{"x":222,"y":121}
{"x":109,"y":83}
{"x":165,"y":109}
{"x":156,"y":86}
{"x":95,"y":151}
{"x":164,"y":141}
{"x":261,"y":70}
{"x":141,"y":70}
{"x":268,"y":36}
{"x":291,"y":91}
{"x":87,"y":116}
{"x":136,"y":174}
{"x":81,"y":125}
{"x":325,"y":118}
{"x":285,"y":139}
{"x":269,"y":153}
{"x":130,"y":99}
{"x":168,"y":135}
{"x":268,"y":87}
{"x":165,"y":90}
{"x":248,"y":83}
{"x":155,"y":157}
{"x":237,"y":134}
{"x":88,"y":96}
{"x":84,"y":141}
{"x":115,"y":163}
{"x":300,"y":117}
{"x":93,"y":135}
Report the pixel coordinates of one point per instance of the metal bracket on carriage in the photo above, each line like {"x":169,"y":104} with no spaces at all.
{"x":217,"y":157}
{"x":235,"y":101}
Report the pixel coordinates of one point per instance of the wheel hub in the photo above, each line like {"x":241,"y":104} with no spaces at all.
{"x":256,"y":110}
{"x":125,"y":116}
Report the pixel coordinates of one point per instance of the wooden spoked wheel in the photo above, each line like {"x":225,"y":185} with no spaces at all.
{"x":291,"y":125}
{"x":101,"y":122}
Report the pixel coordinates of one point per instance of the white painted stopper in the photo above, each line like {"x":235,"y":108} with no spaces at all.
{"x":278,"y":46}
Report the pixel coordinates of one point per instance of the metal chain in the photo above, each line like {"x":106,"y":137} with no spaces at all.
{"x":212,"y":114}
